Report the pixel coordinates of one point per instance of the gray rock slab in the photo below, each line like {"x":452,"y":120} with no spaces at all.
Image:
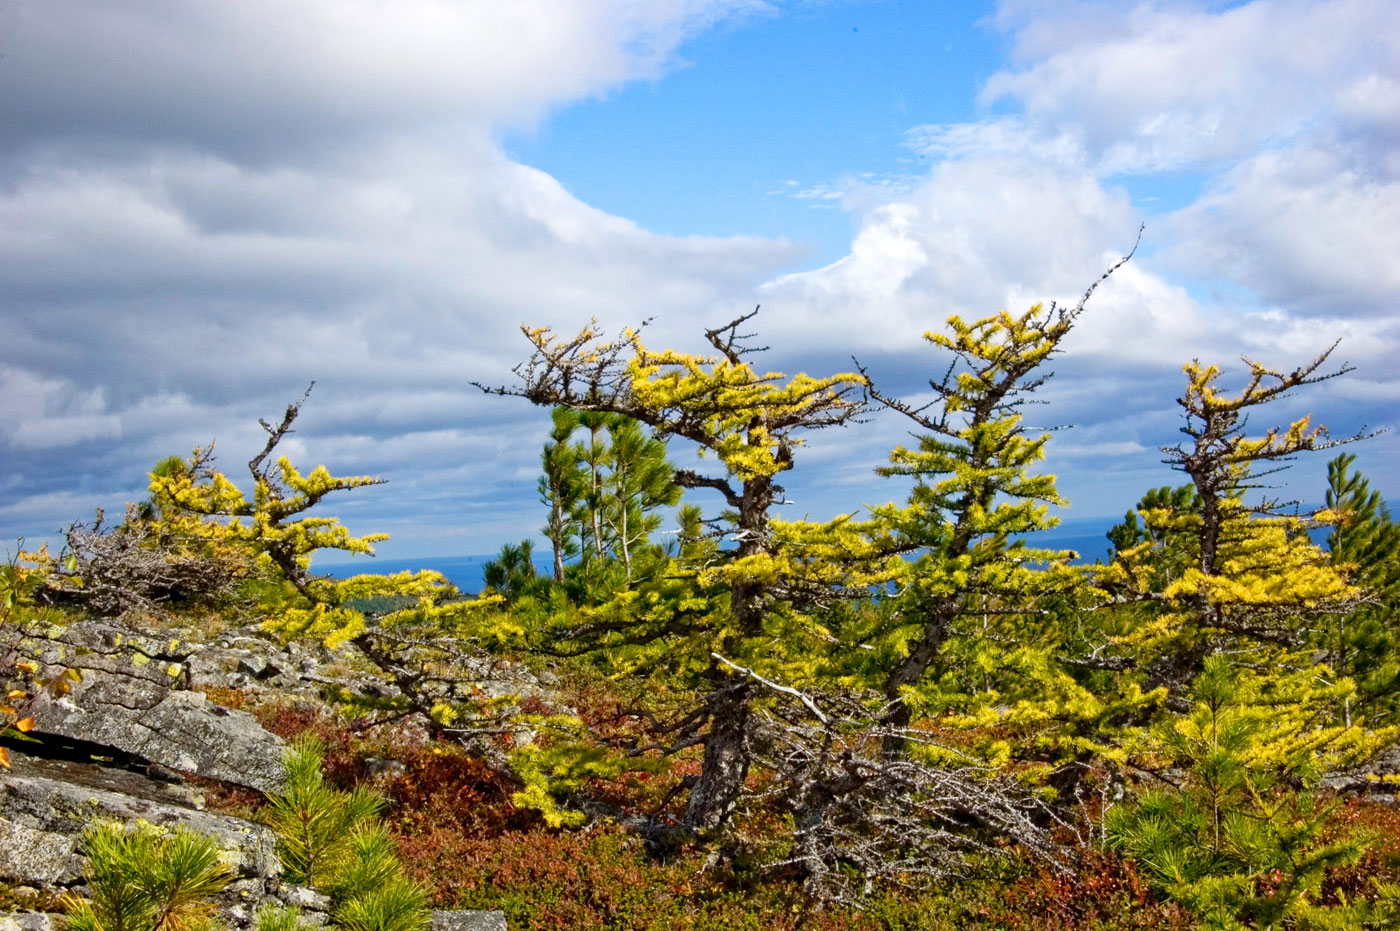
{"x":132,"y":699}
{"x":1373,"y":778}
{"x":44,"y":806}
{"x":469,"y":920}
{"x":29,"y":855}
{"x":29,"y":921}
{"x":305,"y":898}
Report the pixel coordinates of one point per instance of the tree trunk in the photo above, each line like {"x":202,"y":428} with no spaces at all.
{"x":557,"y":528}
{"x":726,"y":763}
{"x":911,"y":669}
{"x":727,"y":752}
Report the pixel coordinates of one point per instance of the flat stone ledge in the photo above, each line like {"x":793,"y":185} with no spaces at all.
{"x":133,"y":698}
{"x":467,"y":920}
{"x":49,"y":807}
{"x":31,"y":855}
{"x":31,"y":921}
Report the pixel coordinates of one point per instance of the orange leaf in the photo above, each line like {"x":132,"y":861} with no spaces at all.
{"x":4,"y":758}
{"x":18,"y":693}
{"x":24,"y":725}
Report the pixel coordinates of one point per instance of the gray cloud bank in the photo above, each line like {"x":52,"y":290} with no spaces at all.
{"x":205,"y":206}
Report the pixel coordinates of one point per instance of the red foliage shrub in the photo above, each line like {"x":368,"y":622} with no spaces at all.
{"x":441,"y":787}
{"x":1381,"y":863}
{"x":1101,"y":891}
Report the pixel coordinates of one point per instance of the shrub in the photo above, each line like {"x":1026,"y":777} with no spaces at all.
{"x":141,"y":878}
{"x":332,"y":840}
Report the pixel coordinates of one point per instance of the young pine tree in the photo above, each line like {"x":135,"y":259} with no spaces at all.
{"x":1228,"y":834}
{"x":512,"y":573}
{"x":333,"y":841}
{"x":1364,"y":544}
{"x":143,"y":878}
{"x":315,"y":823}
{"x":640,"y":482}
{"x":561,"y":487}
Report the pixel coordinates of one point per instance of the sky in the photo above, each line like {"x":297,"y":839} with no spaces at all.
{"x":206,"y":206}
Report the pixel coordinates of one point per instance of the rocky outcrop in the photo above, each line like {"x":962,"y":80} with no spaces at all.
{"x":462,"y":920}
{"x":1378,"y":777}
{"x":130,"y":717}
{"x":132,"y":698}
{"x":29,"y":921}
{"x":119,"y":743}
{"x":45,"y":806}
{"x":54,"y":813}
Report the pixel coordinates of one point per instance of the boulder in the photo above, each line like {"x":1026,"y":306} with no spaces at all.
{"x":29,"y":921}
{"x":1378,"y":777}
{"x":133,"y":699}
{"x":469,"y":920}
{"x":46,"y":816}
{"x":30,"y":855}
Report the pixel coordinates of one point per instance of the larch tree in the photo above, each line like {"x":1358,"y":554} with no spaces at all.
{"x":974,"y":497}
{"x":1248,"y":573}
{"x":427,"y":627}
{"x":1223,"y":600}
{"x":752,"y":423}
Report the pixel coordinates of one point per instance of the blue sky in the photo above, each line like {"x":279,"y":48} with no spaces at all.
{"x":757,"y":119}
{"x":203,"y":207}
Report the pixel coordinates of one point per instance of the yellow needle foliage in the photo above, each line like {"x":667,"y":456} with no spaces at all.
{"x":1245,"y":577}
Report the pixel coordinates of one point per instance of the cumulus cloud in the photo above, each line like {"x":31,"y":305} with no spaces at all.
{"x":44,"y":413}
{"x":264,"y":79}
{"x":1000,"y":229}
{"x":205,"y":206}
{"x":1173,"y":84}
{"x":1302,"y":228}
{"x":1287,"y":112}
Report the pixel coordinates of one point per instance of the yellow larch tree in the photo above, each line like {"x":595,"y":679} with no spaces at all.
{"x":737,"y":617}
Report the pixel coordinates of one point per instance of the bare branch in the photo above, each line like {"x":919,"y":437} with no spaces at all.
{"x":688,"y":478}
{"x":257,"y":465}
{"x":787,"y":690}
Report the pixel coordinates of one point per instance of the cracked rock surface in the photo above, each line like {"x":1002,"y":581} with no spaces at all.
{"x":49,"y":814}
{"x":133,"y":698}
{"x":465,"y":920}
{"x":117,"y":744}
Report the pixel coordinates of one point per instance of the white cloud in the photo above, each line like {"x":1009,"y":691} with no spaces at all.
{"x":43,"y":413}
{"x":1173,"y":84}
{"x":205,"y":206}
{"x":1302,"y":228}
{"x":1291,"y":109}
{"x":1288,"y":113}
{"x":262,"y":77}
{"x":979,"y":234}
